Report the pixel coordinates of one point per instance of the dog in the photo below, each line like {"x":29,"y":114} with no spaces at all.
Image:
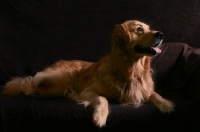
{"x":124,"y":75}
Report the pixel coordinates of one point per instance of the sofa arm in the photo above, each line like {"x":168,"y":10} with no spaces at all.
{"x":177,"y":68}
{"x":191,"y":71}
{"x":167,"y":67}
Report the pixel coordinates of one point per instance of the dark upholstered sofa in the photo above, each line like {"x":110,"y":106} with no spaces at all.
{"x":37,"y":33}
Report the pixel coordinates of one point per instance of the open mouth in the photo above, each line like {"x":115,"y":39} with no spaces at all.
{"x":149,"y":50}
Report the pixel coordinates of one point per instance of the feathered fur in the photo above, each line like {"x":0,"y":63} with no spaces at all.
{"x":123,"y":75}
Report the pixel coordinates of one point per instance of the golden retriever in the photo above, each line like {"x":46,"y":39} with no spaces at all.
{"x":123,"y":75}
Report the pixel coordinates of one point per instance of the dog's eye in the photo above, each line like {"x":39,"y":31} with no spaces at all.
{"x":140,"y":30}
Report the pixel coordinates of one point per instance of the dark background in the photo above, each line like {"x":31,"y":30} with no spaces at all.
{"x":37,"y":33}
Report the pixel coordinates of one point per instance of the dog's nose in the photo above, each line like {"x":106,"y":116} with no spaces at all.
{"x":159,"y":35}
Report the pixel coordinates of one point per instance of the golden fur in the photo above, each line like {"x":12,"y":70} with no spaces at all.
{"x":123,"y":75}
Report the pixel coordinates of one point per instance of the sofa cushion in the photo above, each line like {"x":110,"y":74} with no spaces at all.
{"x":39,"y":113}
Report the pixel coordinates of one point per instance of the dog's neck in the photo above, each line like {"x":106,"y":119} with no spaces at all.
{"x":131,"y":68}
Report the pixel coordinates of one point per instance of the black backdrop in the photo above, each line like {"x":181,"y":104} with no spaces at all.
{"x":36,"y":33}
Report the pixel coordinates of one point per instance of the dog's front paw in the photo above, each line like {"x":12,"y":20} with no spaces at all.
{"x":100,"y":117}
{"x":166,"y":106}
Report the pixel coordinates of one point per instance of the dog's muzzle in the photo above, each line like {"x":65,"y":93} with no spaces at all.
{"x":154,"y":49}
{"x":158,"y":41}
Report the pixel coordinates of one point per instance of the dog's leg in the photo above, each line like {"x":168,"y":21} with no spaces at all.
{"x":52,"y":82}
{"x":100,"y":105}
{"x":164,"y":105}
{"x":45,"y":77}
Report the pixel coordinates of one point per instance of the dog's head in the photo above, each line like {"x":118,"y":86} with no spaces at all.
{"x":135,"y":38}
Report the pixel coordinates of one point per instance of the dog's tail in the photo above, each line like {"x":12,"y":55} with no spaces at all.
{"x":19,"y":86}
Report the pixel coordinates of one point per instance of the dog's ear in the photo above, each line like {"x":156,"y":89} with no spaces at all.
{"x":120,"y":36}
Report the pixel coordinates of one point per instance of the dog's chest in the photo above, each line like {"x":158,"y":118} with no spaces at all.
{"x":134,"y":90}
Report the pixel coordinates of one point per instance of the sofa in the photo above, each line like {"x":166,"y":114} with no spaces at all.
{"x":38,"y":33}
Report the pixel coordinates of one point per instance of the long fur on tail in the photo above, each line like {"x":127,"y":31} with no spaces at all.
{"x":19,"y":86}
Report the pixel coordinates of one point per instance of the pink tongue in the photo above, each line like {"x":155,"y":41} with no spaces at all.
{"x":157,"y":49}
